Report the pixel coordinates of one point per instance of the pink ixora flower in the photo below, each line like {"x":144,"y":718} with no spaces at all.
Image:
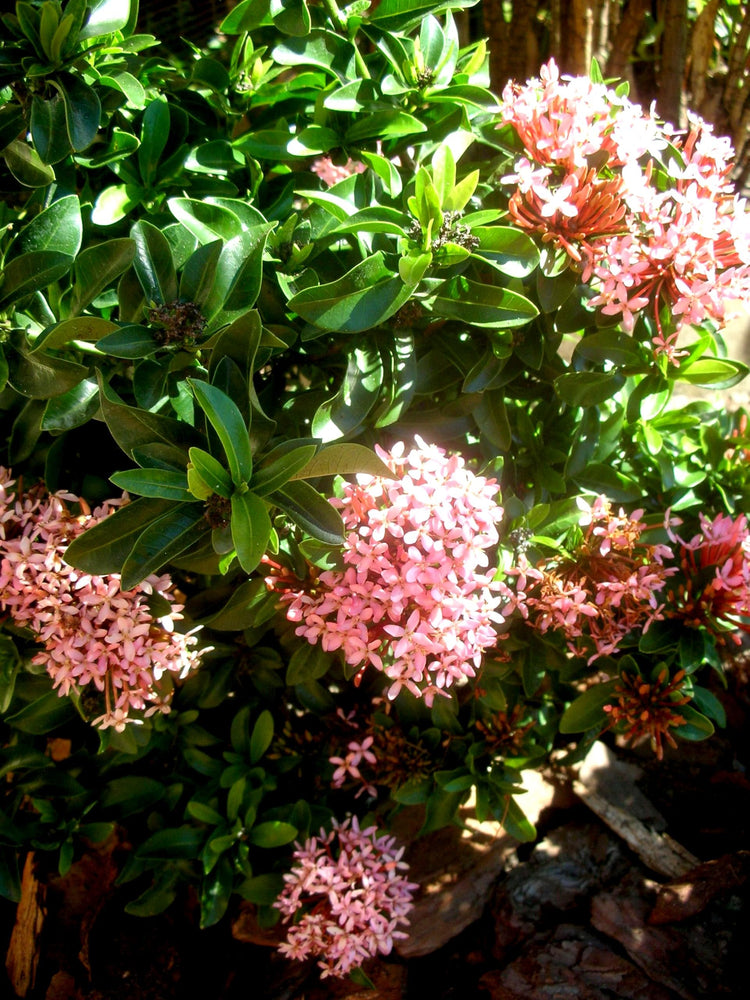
{"x":715,"y":590}
{"x":604,"y":590}
{"x":91,"y":631}
{"x":353,"y":896}
{"x":588,"y":184}
{"x":416,"y":598}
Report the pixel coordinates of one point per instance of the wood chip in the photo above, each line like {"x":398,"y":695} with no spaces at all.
{"x":22,"y":959}
{"x":658,"y":851}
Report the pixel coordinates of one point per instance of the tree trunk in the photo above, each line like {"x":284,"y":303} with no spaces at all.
{"x":673,"y":58}
{"x":626,"y":35}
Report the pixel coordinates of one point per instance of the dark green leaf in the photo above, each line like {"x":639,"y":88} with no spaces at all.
{"x":154,"y":483}
{"x":58,"y":228}
{"x":180,"y":842}
{"x":343,"y":413}
{"x":73,"y":408}
{"x":104,"y":548}
{"x":174,"y":532}
{"x":228,"y":423}
{"x":31,"y":272}
{"x":154,"y":134}
{"x":251,"y":529}
{"x":96,"y":267}
{"x":153,"y":263}
{"x":261,"y":736}
{"x":274,"y":833}
{"x":82,"y":111}
{"x":483,"y":305}
{"x":587,"y":711}
{"x":363,"y":298}
{"x":216,"y":891}
{"x":39,"y":375}
{"x":310,"y":511}
{"x":307,"y":663}
{"x":588,"y":388}
{"x":43,"y":715}
{"x":49,"y":128}
{"x":131,"y":794}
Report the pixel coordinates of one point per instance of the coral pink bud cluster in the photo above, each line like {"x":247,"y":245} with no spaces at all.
{"x":91,"y":631}
{"x":354,"y":896}
{"x":605,"y":590}
{"x":588,"y":184}
{"x":416,"y":598}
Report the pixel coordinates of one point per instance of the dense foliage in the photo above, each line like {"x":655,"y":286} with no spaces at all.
{"x":385,"y":367}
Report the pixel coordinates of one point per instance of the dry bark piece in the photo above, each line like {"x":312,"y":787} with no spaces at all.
{"x":246,"y":928}
{"x":610,"y":792}
{"x":689,"y":896}
{"x":22,"y":959}
{"x":575,"y":963}
{"x":565,"y":870}
{"x":699,"y":957}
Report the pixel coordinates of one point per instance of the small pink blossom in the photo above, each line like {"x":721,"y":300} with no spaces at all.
{"x":350,"y":888}
{"x":92,"y":632}
{"x":416,"y":599}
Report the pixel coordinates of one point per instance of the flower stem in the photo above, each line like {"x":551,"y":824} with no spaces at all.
{"x":332,"y":8}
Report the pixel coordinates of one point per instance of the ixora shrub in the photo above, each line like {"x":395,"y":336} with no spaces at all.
{"x":343,"y":473}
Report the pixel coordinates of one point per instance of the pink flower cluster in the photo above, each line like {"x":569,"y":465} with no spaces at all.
{"x":416,"y":599}
{"x":351,"y":887}
{"x":715,"y":593}
{"x":604,"y":590}
{"x":581,"y":186}
{"x":92,"y":632}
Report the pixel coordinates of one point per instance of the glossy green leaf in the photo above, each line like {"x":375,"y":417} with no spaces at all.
{"x":43,"y":715}
{"x":310,"y":511}
{"x":261,"y":736}
{"x":588,"y":388}
{"x":153,"y":263}
{"x":88,"y":329}
{"x":82,"y":111}
{"x":39,"y":375}
{"x":106,"y":17}
{"x":251,"y":529}
{"x":362,"y":299}
{"x":205,"y":221}
{"x":132,"y":427}
{"x":97,"y":267}
{"x":228,"y":423}
{"x":239,"y":272}
{"x":26,"y":165}
{"x":270,"y":477}
{"x":32,"y":272}
{"x":153,"y":483}
{"x":343,"y":460}
{"x":105,"y":547}
{"x":514,"y":252}
{"x":587,"y":711}
{"x":211,"y":471}
{"x":483,"y":305}
{"x":274,"y":833}
{"x":132,"y":341}
{"x":248,"y":14}
{"x":49,"y":128}
{"x":174,"y":532}
{"x":115,"y":202}
{"x":198,"y":274}
{"x":344,"y":412}
{"x":72,"y":408}
{"x":154,"y":134}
